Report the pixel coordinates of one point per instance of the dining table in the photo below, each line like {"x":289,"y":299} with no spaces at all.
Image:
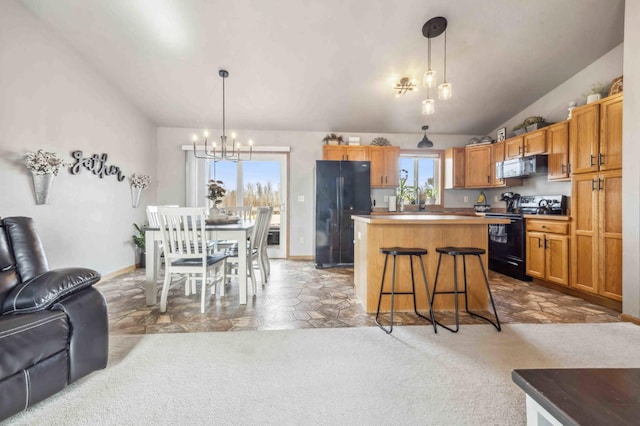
{"x":239,"y":231}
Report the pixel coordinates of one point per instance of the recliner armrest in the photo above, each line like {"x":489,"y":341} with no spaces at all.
{"x":45,"y":289}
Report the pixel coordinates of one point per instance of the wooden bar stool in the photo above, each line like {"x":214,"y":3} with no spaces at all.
{"x":402,"y":251}
{"x":455,"y":252}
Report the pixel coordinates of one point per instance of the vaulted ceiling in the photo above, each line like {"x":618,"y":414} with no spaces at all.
{"x":329,"y":65}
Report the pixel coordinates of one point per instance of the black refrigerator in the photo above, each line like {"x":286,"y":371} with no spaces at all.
{"x":343,"y":188}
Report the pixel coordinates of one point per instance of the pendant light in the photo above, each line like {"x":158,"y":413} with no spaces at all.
{"x":429,"y":80}
{"x":425,"y":142}
{"x":444,"y":90}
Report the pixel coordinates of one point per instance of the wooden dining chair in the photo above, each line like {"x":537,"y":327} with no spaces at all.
{"x":185,"y":251}
{"x":254,"y":255}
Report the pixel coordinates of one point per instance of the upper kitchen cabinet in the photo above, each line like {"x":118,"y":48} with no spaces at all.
{"x":558,"y":148}
{"x":497,"y":156}
{"x":344,"y":152}
{"x":595,"y":135}
{"x":478,"y":166}
{"x":531,"y":143}
{"x":384,"y":166}
{"x":454,"y":169}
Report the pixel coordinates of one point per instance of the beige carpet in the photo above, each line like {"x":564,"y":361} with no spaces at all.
{"x":330,"y":376}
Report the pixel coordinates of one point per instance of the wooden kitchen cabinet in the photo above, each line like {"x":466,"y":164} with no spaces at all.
{"x":497,"y":156}
{"x":596,"y":249}
{"x":595,"y":136}
{"x":478,"y":166}
{"x":344,"y":153}
{"x":548,"y":250}
{"x":531,"y":143}
{"x":384,"y":166}
{"x":558,"y":148}
{"x":513,"y":147}
{"x":454,"y":168}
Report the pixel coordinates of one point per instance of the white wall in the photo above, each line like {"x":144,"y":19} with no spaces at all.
{"x":306,"y":148}
{"x":51,"y":99}
{"x":631,"y":171}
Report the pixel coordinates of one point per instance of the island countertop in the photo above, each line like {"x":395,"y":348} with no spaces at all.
{"x":373,"y":232}
{"x":432,"y":219}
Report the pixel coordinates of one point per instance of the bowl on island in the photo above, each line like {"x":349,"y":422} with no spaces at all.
{"x":482,"y":208}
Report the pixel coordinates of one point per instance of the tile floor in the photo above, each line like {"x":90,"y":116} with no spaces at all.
{"x":300,"y":296}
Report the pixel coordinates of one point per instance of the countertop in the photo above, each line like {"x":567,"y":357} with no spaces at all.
{"x":428,"y":219}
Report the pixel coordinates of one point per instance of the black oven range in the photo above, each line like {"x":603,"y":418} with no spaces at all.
{"x":507,"y":243}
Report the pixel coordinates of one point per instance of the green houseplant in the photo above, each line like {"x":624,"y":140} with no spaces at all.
{"x":140,"y":243}
{"x":405,"y":192}
{"x":333,"y":139}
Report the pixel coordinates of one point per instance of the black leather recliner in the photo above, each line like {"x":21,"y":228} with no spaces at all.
{"x":53,"y":323}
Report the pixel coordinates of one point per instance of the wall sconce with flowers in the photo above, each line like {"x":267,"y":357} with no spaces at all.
{"x":138,"y":183}
{"x":44,"y":166}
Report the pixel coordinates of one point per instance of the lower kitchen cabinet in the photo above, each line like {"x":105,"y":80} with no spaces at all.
{"x":548,"y":250}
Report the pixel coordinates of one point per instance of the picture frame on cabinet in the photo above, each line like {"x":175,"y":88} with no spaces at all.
{"x":502,"y":134}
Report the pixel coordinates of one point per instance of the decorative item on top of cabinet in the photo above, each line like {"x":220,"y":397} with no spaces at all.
{"x":454,"y":168}
{"x":332,"y":139}
{"x":558,"y":148}
{"x":596,"y":237}
{"x":384,"y":166}
{"x":595,"y":136}
{"x":548,"y":250}
{"x":616,"y":86}
{"x":477,"y":166}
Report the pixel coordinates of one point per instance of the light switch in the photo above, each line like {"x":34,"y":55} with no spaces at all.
{"x":386,"y":198}
{"x":301,"y":198}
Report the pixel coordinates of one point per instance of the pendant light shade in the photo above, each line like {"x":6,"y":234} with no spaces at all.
{"x":428,"y":106}
{"x":444,"y":91}
{"x":425,"y":142}
{"x":429,"y":79}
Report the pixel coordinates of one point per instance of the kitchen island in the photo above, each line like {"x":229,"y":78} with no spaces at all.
{"x":373,"y":232}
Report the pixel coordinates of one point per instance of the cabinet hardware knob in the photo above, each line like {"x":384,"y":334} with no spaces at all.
{"x":544,"y":226}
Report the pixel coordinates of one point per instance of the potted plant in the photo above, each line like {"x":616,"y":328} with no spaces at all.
{"x":332,"y":139}
{"x":534,"y":123}
{"x":139,"y":241}
{"x":405,"y":192}
{"x":215,"y":194}
{"x":595,"y":92}
{"x":429,"y":192}
{"x":519,"y":129}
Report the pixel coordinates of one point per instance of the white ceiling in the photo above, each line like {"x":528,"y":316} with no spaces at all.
{"x":328,"y":65}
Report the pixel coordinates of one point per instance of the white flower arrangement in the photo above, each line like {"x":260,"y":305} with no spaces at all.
{"x":43,"y":163}
{"x":140,"y":181}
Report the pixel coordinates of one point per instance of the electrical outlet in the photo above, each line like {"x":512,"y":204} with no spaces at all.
{"x":466,"y":199}
{"x":301,"y":198}
{"x":301,"y":240}
{"x":495,"y":198}
{"x":386,"y":198}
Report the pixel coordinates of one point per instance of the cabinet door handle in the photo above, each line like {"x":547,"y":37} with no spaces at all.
{"x":593,"y":185}
{"x":545,"y":243}
{"x":385,"y":180}
{"x":600,"y":181}
{"x":591,"y":158}
{"x":519,"y":150}
{"x":488,"y":179}
{"x":600,"y":159}
{"x":526,"y":148}
{"x":569,"y":167}
{"x":562,"y":167}
{"x":381,"y":180}
{"x":539,"y":245}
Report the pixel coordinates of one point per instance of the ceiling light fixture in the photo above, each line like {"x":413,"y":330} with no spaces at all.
{"x":404,"y":85}
{"x":431,"y":29}
{"x":425,"y":142}
{"x":228,"y":151}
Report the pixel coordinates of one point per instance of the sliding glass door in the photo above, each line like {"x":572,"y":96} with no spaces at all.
{"x":261,"y":181}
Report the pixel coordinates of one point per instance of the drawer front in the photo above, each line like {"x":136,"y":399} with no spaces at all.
{"x":548,"y":226}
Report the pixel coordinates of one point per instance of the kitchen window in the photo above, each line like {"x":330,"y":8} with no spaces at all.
{"x":425,"y":175}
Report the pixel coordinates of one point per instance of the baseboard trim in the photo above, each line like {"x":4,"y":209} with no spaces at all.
{"x":593,"y":298}
{"x":118,"y":273}
{"x":629,"y":318}
{"x":300,"y":257}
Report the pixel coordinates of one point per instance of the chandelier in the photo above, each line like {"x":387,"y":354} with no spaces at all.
{"x":404,"y":85}
{"x":431,"y":29}
{"x":228,"y":150}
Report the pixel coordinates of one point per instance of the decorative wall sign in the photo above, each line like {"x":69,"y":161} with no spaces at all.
{"x":96,"y":164}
